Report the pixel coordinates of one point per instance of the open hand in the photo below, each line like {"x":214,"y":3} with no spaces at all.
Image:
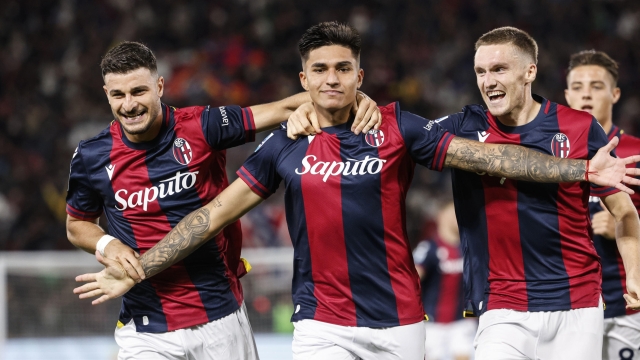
{"x":110,"y":283}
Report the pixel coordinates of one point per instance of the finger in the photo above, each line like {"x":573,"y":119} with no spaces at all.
{"x":378,"y":115}
{"x":131,"y":270}
{"x":621,"y":187}
{"x":611,"y":145}
{"x":304,"y":121}
{"x":314,"y":121}
{"x":293,"y":130}
{"x":86,"y":277}
{"x":137,"y":272}
{"x":91,"y":294}
{"x":366,"y":126}
{"x":630,"y":180}
{"x":86,"y":287}
{"x":604,"y":208}
{"x":631,"y":159}
{"x":359,"y":112}
{"x":290,"y":133}
{"x":100,"y":300}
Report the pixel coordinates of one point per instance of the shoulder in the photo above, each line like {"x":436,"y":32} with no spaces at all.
{"x":189,"y":113}
{"x":629,"y":139}
{"x":278,"y":139}
{"x":575,"y":116}
{"x":102,"y":141}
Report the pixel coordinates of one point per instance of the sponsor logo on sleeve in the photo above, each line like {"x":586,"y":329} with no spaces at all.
{"x":223,"y":113}
{"x":263,"y":141}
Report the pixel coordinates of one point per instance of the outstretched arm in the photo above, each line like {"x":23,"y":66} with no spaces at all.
{"x":628,"y":241}
{"x":190,"y":233}
{"x":520,"y":163}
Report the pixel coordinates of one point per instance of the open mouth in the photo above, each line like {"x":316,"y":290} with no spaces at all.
{"x":587,"y":108}
{"x":496,"y":95}
{"x":133,"y":116}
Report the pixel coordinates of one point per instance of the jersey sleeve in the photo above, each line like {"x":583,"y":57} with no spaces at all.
{"x":83,"y":202}
{"x":260,"y":170}
{"x":597,"y":139}
{"x":451,"y":123}
{"x":426,"y":141}
{"x":228,"y":126}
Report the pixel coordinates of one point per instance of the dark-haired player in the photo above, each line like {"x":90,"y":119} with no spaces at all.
{"x":355,"y":288}
{"x":531,"y":270}
{"x":152,"y":166}
{"x":592,"y":79}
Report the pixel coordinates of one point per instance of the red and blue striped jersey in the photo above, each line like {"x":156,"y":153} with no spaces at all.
{"x":145,"y":189}
{"x":442,"y":280}
{"x":528,"y":245}
{"x":345,"y":208}
{"x":614,"y":278}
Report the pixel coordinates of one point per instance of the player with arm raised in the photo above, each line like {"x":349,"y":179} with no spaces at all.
{"x":152,"y":166}
{"x":355,"y":287}
{"x":591,"y":86}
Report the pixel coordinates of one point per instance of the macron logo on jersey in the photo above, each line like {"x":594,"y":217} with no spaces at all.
{"x":369,"y":165}
{"x":482,"y":136}
{"x":168,"y":187}
{"x":110,"y":169}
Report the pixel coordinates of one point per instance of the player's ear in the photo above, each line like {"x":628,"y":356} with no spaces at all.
{"x":532,"y":71}
{"x":303,"y":80}
{"x":360,"y":77}
{"x":160,"y":86}
{"x":616,"y":94}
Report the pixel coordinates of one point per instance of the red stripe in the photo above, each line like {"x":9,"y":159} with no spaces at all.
{"x":441,"y":152}
{"x":395,"y":180}
{"x":249,"y":124}
{"x":332,"y":287}
{"x":149,"y":227}
{"x":253,"y":183}
{"x":447,"y":306}
{"x":579,"y":255}
{"x":82,"y":215}
{"x":546,"y":107}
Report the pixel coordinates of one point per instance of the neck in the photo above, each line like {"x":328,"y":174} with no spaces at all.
{"x":327,"y":118}
{"x":523,"y":113}
{"x":607,"y":124}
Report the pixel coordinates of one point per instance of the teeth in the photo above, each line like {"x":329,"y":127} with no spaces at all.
{"x":495,"y":93}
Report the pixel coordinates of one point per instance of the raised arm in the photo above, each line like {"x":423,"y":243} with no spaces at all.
{"x":628,"y":241}
{"x":520,"y":163}
{"x":190,"y":233}
{"x":269,"y":116}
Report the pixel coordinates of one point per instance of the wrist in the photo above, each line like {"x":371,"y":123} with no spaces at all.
{"x":103,"y":242}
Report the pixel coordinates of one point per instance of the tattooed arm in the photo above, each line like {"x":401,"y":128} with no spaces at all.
{"x":190,"y":233}
{"x":520,"y":163}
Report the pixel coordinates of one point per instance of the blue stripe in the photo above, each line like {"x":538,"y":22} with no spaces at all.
{"x":363,"y":228}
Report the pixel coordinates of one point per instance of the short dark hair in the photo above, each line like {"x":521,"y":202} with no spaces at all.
{"x":330,"y":33}
{"x":510,"y":35}
{"x":128,"y":56}
{"x":592,"y":57}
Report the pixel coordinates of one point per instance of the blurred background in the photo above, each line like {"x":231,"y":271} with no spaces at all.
{"x":240,"y":52}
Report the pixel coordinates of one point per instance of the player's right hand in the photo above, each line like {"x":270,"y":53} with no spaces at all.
{"x":303,"y":121}
{"x":127,"y":257}
{"x":110,"y":283}
{"x":604,"y":224}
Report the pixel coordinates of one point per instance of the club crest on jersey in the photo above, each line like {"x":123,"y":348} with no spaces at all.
{"x":560,"y":145}
{"x":374,"y":137}
{"x":182,"y":151}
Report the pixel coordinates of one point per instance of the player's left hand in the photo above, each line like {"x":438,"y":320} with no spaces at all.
{"x":110,"y":283}
{"x":303,"y":121}
{"x":605,"y":170}
{"x":367,"y":114}
{"x":633,"y":291}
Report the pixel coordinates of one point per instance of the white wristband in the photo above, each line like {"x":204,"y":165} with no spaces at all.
{"x":102,"y":243}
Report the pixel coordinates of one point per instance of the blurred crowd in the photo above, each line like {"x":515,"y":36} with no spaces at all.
{"x":245,"y":52}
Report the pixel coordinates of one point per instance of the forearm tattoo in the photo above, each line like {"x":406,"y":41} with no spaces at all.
{"x":181,"y":241}
{"x":513,"y":162}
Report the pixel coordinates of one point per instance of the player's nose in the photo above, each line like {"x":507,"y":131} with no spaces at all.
{"x":332,"y":77}
{"x":129,"y":103}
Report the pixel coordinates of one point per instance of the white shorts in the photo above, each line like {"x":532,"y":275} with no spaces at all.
{"x":549,"y":335}
{"x":228,"y":338}
{"x":621,"y":338}
{"x":454,"y":339}
{"x":316,"y":340}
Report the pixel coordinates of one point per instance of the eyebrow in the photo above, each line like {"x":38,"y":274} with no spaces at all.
{"x":590,"y":82}
{"x":137,"y":88}
{"x":340,"y":63}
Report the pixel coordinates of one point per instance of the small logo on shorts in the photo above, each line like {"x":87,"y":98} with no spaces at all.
{"x":182,"y":151}
{"x":374,"y":137}
{"x":560,"y":145}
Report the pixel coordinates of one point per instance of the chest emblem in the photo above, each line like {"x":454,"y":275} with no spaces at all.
{"x":182,"y":151}
{"x":374,"y":137}
{"x":560,"y":145}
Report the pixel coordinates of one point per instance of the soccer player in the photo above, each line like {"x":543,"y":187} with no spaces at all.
{"x":531,"y":271}
{"x":146,"y":171}
{"x":356,"y":292}
{"x":591,"y":86}
{"x":439,"y":265}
